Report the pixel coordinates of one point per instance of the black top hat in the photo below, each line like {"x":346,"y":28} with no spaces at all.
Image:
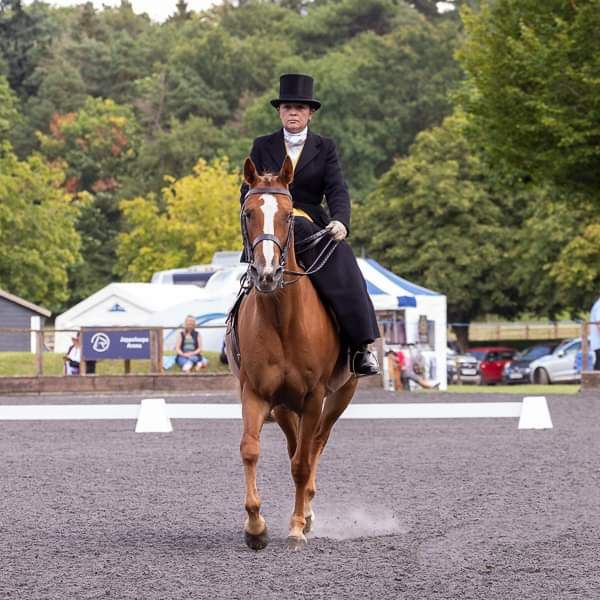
{"x":296,"y":88}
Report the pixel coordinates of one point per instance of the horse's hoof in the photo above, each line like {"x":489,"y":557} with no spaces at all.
{"x":310,"y":521}
{"x":256,"y":542}
{"x":296,"y":543}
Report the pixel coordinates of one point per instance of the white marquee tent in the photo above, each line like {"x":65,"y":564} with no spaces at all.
{"x":122,"y":305}
{"x":392,"y":293}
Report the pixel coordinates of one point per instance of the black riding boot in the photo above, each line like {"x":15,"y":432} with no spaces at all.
{"x":363,"y":362}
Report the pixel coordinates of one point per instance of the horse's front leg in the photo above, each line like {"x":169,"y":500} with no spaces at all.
{"x":254,"y":413}
{"x":302,"y":467}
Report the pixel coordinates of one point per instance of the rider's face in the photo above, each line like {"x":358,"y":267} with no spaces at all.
{"x":295,"y":117}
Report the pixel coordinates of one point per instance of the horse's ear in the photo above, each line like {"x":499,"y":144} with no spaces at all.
{"x":250,"y":174}
{"x":286,"y":175}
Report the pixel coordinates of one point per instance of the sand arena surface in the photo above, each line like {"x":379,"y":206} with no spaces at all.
{"x":453,"y":509}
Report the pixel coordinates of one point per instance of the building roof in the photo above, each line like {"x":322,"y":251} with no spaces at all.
{"x":28,"y":305}
{"x":146,"y":297}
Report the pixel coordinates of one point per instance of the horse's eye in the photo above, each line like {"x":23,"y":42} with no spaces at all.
{"x":246,"y":214}
{"x":290,"y":217}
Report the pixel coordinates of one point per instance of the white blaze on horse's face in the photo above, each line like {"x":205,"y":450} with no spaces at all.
{"x":269,"y":209}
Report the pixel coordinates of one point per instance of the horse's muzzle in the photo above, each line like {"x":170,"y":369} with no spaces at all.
{"x":267,"y":281}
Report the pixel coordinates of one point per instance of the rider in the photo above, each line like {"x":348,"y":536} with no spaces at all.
{"x":318,"y":174}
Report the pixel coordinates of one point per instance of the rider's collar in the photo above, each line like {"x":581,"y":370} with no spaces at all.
{"x":295,"y":139}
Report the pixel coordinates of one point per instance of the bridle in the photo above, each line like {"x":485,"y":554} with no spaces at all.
{"x":266,"y":237}
{"x":309,"y":242}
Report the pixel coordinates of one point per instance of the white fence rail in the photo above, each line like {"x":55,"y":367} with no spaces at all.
{"x":154,"y":415}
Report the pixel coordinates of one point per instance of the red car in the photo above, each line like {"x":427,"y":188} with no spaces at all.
{"x":491,"y":361}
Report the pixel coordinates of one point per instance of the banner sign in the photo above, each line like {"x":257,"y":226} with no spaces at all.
{"x":126,"y":344}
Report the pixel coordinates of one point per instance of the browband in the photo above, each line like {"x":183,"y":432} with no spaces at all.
{"x":267,"y":190}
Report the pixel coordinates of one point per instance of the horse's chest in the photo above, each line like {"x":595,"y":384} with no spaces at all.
{"x":284,"y":385}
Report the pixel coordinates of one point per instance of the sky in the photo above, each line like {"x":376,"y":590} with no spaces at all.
{"x":158,"y":10}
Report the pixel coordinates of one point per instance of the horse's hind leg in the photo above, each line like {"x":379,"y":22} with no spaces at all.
{"x":335,"y":405}
{"x":288,"y":422}
{"x":254,"y":412}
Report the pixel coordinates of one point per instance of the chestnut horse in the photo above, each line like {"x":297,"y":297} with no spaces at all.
{"x":292,"y":365}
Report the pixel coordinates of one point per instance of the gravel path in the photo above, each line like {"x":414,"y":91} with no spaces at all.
{"x":465,"y":509}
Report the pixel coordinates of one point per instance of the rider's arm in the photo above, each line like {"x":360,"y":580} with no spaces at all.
{"x":336,"y":191}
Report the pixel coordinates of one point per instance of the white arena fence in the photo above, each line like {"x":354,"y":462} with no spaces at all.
{"x":154,"y":415}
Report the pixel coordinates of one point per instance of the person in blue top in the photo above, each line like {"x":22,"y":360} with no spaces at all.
{"x":189,"y":347}
{"x":595,"y":333}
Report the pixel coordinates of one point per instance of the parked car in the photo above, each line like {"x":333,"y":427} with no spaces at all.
{"x":558,"y":366}
{"x":517,"y":370}
{"x":462,"y":368}
{"x":451,"y":370}
{"x":491,"y":362}
{"x":468,"y":369}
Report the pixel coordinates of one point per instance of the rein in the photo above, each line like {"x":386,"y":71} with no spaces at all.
{"x":306,"y":244}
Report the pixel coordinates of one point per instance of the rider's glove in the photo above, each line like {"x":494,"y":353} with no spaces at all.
{"x":337,"y":230}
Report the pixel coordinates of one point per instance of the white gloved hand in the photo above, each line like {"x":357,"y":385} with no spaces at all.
{"x":337,"y":230}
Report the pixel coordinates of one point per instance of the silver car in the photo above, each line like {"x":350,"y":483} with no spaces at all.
{"x":558,"y":366}
{"x":462,"y":368}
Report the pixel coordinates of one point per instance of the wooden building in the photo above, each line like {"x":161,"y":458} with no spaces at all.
{"x":17,"y":313}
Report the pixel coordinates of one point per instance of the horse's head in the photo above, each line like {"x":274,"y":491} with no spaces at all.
{"x":267,"y":224}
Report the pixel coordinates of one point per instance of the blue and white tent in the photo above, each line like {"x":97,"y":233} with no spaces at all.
{"x":390,"y":292}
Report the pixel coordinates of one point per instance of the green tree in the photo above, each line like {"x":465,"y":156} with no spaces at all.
{"x":444,"y":218}
{"x":533,"y":95}
{"x":174,"y":152}
{"x":23,"y":39}
{"x":9,"y":112}
{"x":98,"y":145}
{"x":201,"y":217}
{"x":335,"y":23}
{"x":38,"y":239}
{"x":534,"y":87}
{"x":377,"y":92}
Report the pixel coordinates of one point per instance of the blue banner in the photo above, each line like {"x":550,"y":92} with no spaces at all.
{"x":98,"y":344}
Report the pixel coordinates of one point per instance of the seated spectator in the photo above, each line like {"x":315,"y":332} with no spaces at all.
{"x":189,"y":347}
{"x":72,"y":358}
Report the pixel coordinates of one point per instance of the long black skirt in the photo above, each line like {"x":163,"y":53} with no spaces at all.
{"x":342,"y":287}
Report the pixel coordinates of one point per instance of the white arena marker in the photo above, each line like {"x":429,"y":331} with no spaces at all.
{"x":153,"y":417}
{"x":535,"y":413}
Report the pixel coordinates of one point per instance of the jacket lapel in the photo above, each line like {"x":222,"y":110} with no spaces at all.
{"x":276,"y":149}
{"x":310,"y":150}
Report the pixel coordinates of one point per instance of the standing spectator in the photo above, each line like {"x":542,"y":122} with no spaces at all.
{"x":72,"y":358}
{"x":595,"y":333}
{"x":189,"y":347}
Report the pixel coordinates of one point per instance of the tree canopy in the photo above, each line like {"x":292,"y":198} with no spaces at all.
{"x":534,"y":72}
{"x":469,"y":138}
{"x":38,"y":239}
{"x":200,"y":218}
